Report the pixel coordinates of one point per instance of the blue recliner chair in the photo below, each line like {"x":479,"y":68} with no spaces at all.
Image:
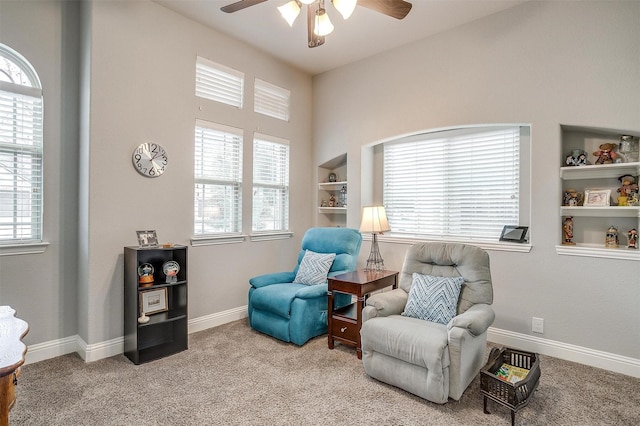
{"x":295,"y":312}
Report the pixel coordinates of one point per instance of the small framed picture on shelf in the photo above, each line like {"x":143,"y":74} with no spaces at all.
{"x":597,"y":197}
{"x":147,"y":239}
{"x":153,"y":301}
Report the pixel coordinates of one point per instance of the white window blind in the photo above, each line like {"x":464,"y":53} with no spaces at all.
{"x":21,"y":177}
{"x":219,"y":83}
{"x":271,"y":100}
{"x":218,"y":179}
{"x":460,"y":185}
{"x":270,"y":184}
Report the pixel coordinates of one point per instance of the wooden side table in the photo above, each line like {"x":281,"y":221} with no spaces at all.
{"x":12,"y":352}
{"x":344,"y":323}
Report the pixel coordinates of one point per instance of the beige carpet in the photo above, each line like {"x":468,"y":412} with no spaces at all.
{"x":232,"y":375}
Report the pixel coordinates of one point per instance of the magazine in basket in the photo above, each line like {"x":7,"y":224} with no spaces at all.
{"x":510,"y":373}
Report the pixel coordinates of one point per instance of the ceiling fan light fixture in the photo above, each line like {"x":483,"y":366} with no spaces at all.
{"x":290,"y":11}
{"x":323,"y":25}
{"x":345,"y":7}
{"x":307,"y":1}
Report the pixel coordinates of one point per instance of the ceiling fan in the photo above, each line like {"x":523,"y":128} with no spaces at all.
{"x":318,"y":23}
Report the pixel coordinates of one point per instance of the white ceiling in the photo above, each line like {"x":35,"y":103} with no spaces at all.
{"x":364,"y":34}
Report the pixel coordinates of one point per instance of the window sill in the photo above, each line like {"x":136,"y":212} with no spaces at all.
{"x":486,"y":245}
{"x":268,"y":236}
{"x":27,"y":248}
{"x":219,"y":239}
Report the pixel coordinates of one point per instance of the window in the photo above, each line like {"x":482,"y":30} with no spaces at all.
{"x":218,"y":179}
{"x":219,"y":83}
{"x":20,"y":150}
{"x":271,"y":100}
{"x":270,"y":184}
{"x":461,"y":184}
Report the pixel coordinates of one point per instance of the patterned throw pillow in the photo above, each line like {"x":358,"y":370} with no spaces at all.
{"x":314,"y":268}
{"x":432,"y":298}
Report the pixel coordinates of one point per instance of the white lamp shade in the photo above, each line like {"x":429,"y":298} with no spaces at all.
{"x":307,"y":1}
{"x":323,"y":25}
{"x":374,"y":220}
{"x":290,"y":11}
{"x":345,"y":7}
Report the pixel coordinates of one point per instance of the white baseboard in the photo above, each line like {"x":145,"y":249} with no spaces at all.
{"x":96,"y":351}
{"x":100,"y":350}
{"x":565,"y":351}
{"x":219,"y":318}
{"x":51,"y":349}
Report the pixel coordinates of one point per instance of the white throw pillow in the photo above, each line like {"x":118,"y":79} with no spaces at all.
{"x":314,"y":268}
{"x":432,"y":298}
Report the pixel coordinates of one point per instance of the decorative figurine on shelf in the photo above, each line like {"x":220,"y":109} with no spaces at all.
{"x":343,"y":196}
{"x":332,"y":177}
{"x":633,"y":238}
{"x":567,"y":231}
{"x":628,"y":149}
{"x":577,"y":157}
{"x":611,"y":240}
{"x":324,"y":203}
{"x":628,"y":191}
{"x":572,"y":198}
{"x":332,"y":201}
{"x":145,"y":272}
{"x":605,"y":154}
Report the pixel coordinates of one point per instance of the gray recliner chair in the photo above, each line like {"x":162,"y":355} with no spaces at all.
{"x":434,"y":361}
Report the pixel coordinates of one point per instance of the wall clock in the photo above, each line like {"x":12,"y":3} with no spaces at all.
{"x":150,"y":159}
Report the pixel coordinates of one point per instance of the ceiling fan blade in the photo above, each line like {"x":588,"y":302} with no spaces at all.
{"x":395,"y":8}
{"x":313,"y":39}
{"x":239,"y":5}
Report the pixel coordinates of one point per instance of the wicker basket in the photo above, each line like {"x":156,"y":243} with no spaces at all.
{"x":512,"y":395}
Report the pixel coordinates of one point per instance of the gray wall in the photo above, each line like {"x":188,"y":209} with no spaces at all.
{"x":543,"y":63}
{"x":135,"y":63}
{"x":43,"y":287}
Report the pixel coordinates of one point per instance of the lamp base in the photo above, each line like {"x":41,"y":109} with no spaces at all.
{"x":375,"y":262}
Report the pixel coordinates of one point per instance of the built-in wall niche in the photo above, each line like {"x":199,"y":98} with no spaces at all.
{"x":332,"y":195}
{"x":590,"y":222}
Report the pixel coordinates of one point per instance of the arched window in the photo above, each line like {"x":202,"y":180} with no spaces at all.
{"x":20,"y":150}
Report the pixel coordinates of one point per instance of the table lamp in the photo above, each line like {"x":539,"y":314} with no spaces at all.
{"x":374,"y":220}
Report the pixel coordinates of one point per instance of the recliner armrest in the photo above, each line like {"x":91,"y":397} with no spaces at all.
{"x":272,"y":278}
{"x":477,"y":319}
{"x":389,"y":302}
{"x":312,"y":291}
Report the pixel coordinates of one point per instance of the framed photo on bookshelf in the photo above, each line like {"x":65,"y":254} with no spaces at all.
{"x":147,"y":239}
{"x":154,"y":301}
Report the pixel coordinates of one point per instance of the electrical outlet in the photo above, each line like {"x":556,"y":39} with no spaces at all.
{"x":537,"y":325}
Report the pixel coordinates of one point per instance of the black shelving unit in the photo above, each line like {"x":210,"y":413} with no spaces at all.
{"x":166,"y":332}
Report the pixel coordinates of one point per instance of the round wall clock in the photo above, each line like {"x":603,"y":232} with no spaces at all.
{"x":150,"y":159}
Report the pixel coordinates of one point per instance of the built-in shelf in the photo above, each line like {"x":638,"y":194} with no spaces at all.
{"x":609,"y":211}
{"x":593,"y":222}
{"x":598,"y":171}
{"x":332,"y":193}
{"x":332,"y":210}
{"x":332,"y":186}
{"x":595,"y":250}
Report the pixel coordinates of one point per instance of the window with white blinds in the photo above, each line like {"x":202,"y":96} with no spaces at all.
{"x":219,"y":83}
{"x":270,"y":184}
{"x":21,"y":177}
{"x":218,"y":179}
{"x":461,"y":185}
{"x":271,"y":100}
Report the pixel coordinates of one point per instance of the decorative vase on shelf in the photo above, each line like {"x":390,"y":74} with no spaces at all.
{"x":611,"y":240}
